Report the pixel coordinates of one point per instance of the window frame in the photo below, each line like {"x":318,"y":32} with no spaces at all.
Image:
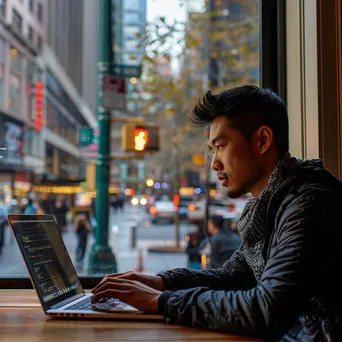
{"x":272,"y":52}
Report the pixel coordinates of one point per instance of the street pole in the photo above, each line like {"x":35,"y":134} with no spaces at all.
{"x":101,"y":258}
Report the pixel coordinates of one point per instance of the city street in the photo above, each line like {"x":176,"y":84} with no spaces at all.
{"x":120,"y":239}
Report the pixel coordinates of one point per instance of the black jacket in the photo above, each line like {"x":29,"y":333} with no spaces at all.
{"x":299,"y":286}
{"x":223,"y":245}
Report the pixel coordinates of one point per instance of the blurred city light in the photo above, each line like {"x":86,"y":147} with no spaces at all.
{"x":134,"y":201}
{"x":157,"y":185}
{"x":149,"y":182}
{"x":197,"y":191}
{"x":143,"y":201}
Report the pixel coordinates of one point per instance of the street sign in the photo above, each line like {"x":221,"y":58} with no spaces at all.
{"x":85,"y":136}
{"x":126,"y":71}
{"x":113,"y":92}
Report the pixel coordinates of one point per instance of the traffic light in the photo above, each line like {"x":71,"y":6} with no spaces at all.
{"x":140,"y":137}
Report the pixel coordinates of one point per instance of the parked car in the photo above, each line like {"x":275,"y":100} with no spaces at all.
{"x":162,"y":211}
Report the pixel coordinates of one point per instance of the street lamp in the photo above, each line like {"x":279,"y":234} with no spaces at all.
{"x":149,"y":182}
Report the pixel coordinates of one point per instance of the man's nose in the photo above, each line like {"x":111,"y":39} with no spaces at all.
{"x":215,"y":164}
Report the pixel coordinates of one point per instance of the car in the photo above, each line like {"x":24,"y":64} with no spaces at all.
{"x":137,"y":200}
{"x":163,"y":210}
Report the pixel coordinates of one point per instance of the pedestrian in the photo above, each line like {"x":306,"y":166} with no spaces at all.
{"x":223,"y":243}
{"x":31,"y":208}
{"x":60,"y":212}
{"x":194,"y":240}
{"x":283,"y":283}
{"x":82,"y":228}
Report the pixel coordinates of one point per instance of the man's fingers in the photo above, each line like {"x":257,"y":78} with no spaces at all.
{"x":109,"y":276}
{"x":115,"y":284}
{"x":106,"y":294}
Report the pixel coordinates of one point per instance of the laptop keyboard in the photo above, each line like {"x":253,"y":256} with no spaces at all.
{"x":110,"y":303}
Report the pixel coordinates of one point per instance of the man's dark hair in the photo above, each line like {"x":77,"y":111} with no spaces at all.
{"x":247,"y":108}
{"x":218,"y":221}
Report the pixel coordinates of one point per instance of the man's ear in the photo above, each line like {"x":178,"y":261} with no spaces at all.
{"x":264,"y":137}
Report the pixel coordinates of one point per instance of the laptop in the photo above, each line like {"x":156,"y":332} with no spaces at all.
{"x":53,"y":274}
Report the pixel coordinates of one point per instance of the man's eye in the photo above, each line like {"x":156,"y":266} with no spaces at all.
{"x":218,"y":147}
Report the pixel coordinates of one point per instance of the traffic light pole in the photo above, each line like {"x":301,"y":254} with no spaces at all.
{"x":102,"y":259}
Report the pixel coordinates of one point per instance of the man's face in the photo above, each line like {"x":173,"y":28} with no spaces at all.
{"x":234,"y":160}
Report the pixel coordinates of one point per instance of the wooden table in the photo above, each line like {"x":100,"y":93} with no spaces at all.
{"x":22,"y":319}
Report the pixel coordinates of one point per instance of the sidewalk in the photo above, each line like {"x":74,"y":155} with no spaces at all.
{"x":12,"y":264}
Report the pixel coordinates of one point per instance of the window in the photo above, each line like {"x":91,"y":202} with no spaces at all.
{"x":15,"y":60}
{"x":40,"y":43}
{"x":132,"y":17}
{"x":40,"y":12}
{"x":14,"y":84}
{"x":181,"y":62}
{"x":14,"y":94}
{"x":3,"y":7}
{"x":30,"y":34}
{"x":17,"y":21}
{"x":131,"y":4}
{"x":31,"y":5}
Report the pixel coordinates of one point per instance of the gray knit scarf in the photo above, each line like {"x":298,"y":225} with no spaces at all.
{"x":252,"y":224}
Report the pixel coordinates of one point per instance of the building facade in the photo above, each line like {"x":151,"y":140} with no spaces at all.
{"x":70,"y":59}
{"x":22,"y":42}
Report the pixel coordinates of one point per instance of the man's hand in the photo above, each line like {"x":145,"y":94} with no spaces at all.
{"x":131,"y":292}
{"x":155,"y":282}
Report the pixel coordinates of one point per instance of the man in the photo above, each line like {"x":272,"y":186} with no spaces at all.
{"x":282,"y":283}
{"x":222,"y":243}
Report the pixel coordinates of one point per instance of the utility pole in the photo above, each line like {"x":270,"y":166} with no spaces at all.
{"x":102,"y":259}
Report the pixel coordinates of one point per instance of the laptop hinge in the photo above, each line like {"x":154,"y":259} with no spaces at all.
{"x":67,"y":301}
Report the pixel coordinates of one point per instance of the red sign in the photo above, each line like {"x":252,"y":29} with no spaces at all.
{"x":39,"y":105}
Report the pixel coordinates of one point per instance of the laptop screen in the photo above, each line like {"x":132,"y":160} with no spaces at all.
{"x":46,"y":257}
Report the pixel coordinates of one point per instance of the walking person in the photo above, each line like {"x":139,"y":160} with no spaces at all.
{"x":82,"y":228}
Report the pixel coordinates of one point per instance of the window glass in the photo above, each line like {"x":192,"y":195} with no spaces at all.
{"x":169,"y":52}
{"x":30,"y":34}
{"x":17,"y":21}
{"x":2,"y":7}
{"x":31,"y":5}
{"x":40,"y":12}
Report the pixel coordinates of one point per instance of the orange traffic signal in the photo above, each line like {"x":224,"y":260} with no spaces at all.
{"x":140,"y":139}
